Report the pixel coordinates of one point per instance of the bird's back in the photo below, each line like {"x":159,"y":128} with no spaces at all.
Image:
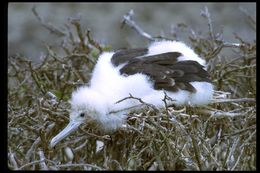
{"x":147,"y":72}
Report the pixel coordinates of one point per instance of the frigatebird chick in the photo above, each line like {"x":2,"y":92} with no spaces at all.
{"x":169,"y":67}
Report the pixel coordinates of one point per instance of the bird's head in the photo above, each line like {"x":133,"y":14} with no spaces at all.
{"x":86,"y":105}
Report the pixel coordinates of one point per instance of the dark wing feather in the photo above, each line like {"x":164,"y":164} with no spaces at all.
{"x":164,"y":59}
{"x":124,"y":55}
{"x":164,"y":69}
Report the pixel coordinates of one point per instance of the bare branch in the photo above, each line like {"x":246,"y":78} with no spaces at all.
{"x":30,"y":163}
{"x":234,"y":100}
{"x":48,"y":26}
{"x":42,"y":157}
{"x":94,"y":43}
{"x":12,"y":160}
{"x":252,"y":22}
{"x":140,"y":100}
{"x":206,"y":14}
{"x":79,"y":165}
{"x":128,"y":20}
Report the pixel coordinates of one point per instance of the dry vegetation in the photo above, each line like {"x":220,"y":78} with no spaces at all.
{"x":220,"y":136}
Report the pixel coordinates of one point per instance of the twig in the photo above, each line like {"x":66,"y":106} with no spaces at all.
{"x":220,"y":94}
{"x":43,"y":165}
{"x":81,"y":146}
{"x":31,"y":163}
{"x":248,"y":139}
{"x":211,"y":155}
{"x":239,"y":132}
{"x":81,"y":35}
{"x":80,"y":164}
{"x":92,"y":42}
{"x":79,"y":55}
{"x":234,"y":100}
{"x":53,"y":96}
{"x":119,"y":167}
{"x":54,"y":99}
{"x":48,"y":26}
{"x":238,"y":159}
{"x":159,"y":162}
{"x":33,"y":147}
{"x":206,"y":14}
{"x":165,"y":98}
{"x":125,"y":109}
{"x":134,"y":129}
{"x":37,"y":142}
{"x":140,"y":100}
{"x":128,"y":20}
{"x":232,"y":45}
{"x":52,"y":113}
{"x":53,"y":54}
{"x":252,"y":22}
{"x":231,"y":153}
{"x":78,"y":75}
{"x":12,"y":160}
{"x":220,"y":113}
{"x":196,"y":151}
{"x":221,"y":46}
{"x":36,"y":79}
{"x":63,"y":88}
{"x":151,"y":121}
{"x":69,"y":142}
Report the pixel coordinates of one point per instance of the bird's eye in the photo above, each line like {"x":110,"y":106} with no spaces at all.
{"x":82,"y":115}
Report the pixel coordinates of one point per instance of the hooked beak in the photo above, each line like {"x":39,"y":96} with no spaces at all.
{"x":71,"y":127}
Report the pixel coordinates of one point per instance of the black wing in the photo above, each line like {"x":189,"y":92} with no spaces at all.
{"x":124,"y":55}
{"x":166,"y":72}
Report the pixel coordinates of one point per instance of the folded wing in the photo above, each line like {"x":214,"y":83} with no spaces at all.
{"x":163,"y":69}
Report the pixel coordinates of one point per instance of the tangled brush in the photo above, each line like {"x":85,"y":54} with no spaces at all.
{"x":220,"y":136}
